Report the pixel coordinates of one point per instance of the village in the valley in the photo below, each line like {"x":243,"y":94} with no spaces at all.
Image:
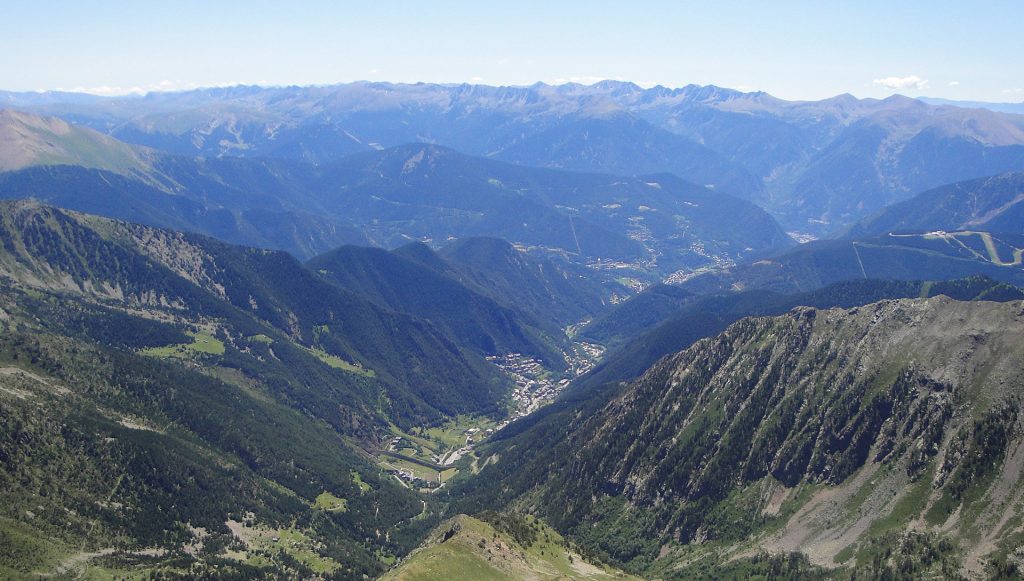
{"x":535,"y":387}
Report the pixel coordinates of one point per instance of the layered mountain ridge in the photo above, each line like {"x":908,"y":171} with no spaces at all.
{"x":417,"y":193}
{"x":547,"y":331}
{"x":818,"y":165}
{"x":992,"y":204}
{"x":141,"y":267}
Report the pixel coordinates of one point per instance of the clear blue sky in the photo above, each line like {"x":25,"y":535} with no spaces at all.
{"x":793,"y":49}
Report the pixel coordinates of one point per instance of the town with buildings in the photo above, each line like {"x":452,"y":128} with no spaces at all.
{"x":535,"y":387}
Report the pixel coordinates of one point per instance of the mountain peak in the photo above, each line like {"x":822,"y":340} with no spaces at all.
{"x":30,"y":140}
{"x":617,"y":87}
{"x":423,"y":254}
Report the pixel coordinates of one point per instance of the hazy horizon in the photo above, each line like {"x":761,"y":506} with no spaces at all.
{"x":794,"y":50}
{"x":139,"y":92}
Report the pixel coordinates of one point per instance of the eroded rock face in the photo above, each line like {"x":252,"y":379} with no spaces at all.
{"x":454,"y":530}
{"x":862,"y":404}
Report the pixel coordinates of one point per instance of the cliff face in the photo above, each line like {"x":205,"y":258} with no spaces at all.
{"x":820,"y":431}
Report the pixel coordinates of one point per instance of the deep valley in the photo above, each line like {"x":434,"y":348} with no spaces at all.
{"x":559,"y":331}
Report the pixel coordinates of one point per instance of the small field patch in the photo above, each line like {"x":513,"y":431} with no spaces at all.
{"x":201,"y":343}
{"x":330,"y":503}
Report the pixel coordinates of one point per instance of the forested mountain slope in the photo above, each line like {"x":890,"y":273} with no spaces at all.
{"x":407,"y":286}
{"x":993,"y":204}
{"x":637,"y":348}
{"x":549,"y":288}
{"x":149,"y":425}
{"x":918,"y":256}
{"x":202,"y":280}
{"x":885,"y":437}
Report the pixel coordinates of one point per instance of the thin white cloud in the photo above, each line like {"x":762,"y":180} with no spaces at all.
{"x":911,"y":82}
{"x":954,"y":83}
{"x":476,"y":79}
{"x":103,"y":90}
{"x":160,"y":87}
{"x":1013,"y":91}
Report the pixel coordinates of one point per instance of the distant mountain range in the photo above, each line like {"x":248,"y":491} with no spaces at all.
{"x":975,"y":227}
{"x":818,"y":166}
{"x":1015,"y":108}
{"x":387,"y":198}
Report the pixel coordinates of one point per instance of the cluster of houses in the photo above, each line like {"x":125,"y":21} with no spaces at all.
{"x":582,"y":363}
{"x":533,"y":385}
{"x":534,"y":388}
{"x":474,"y":435}
{"x":415,"y":481}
